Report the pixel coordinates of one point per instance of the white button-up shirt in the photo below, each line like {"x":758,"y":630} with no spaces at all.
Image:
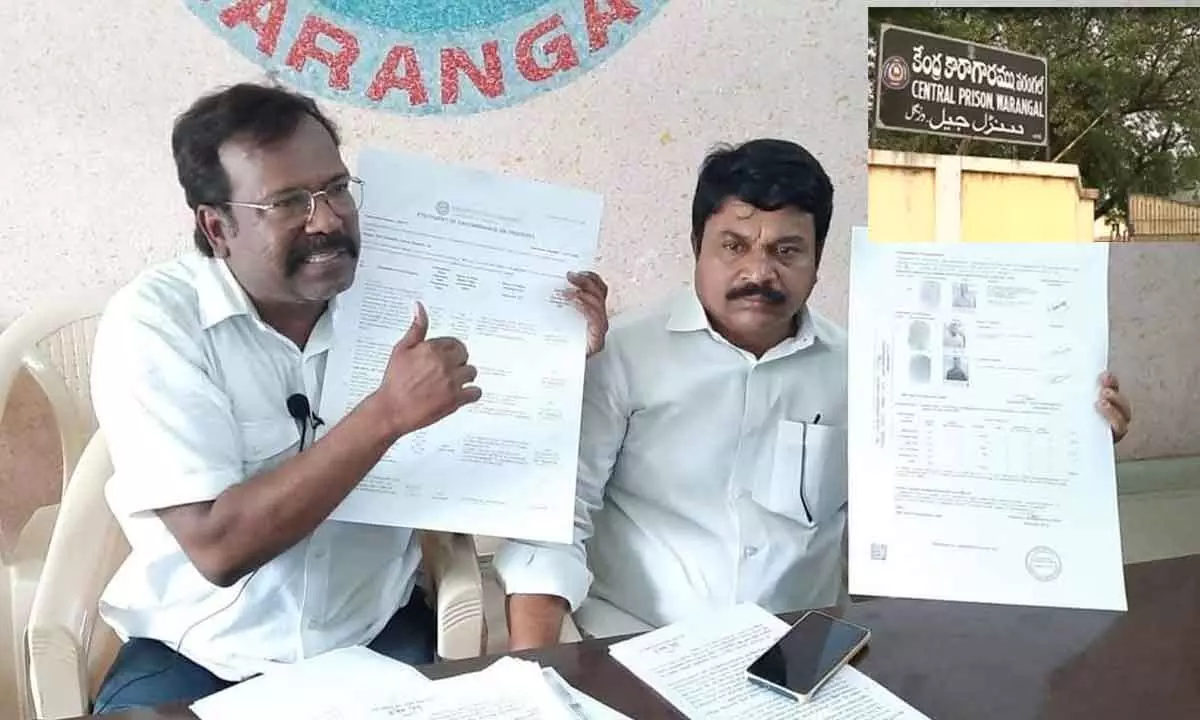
{"x":191,"y":387}
{"x":707,"y":477}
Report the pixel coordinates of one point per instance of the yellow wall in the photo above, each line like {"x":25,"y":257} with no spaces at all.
{"x":900,"y":198}
{"x":923,"y":198}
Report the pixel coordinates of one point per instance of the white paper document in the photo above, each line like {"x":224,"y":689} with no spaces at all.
{"x":581,"y":705}
{"x":507,"y":690}
{"x":699,"y":666}
{"x":980,"y":469}
{"x":319,"y":688}
{"x":488,"y":256}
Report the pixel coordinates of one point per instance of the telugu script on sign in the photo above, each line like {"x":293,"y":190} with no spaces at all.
{"x":938,"y":85}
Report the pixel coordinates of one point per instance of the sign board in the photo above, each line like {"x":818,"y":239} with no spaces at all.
{"x":938,"y":85}
{"x":424,"y":57}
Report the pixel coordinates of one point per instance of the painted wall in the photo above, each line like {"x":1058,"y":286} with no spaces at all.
{"x":916,"y":197}
{"x":88,"y":195}
{"x":1154,"y":341}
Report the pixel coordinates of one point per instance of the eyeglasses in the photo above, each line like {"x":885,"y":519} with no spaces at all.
{"x":344,"y":196}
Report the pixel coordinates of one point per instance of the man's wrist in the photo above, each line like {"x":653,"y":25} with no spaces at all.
{"x":382,"y":418}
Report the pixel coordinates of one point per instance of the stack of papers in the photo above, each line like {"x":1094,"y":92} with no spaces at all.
{"x":356,"y":683}
{"x":699,"y":666}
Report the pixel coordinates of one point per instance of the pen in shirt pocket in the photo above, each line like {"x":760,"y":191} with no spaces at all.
{"x":816,"y":420}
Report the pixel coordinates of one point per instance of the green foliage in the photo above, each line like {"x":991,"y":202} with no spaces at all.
{"x":1137,"y":70}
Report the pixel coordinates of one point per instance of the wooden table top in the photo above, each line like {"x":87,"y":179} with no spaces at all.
{"x":957,"y":660}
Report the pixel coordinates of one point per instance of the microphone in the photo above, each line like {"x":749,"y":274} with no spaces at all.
{"x":300,"y":410}
{"x":297,"y":406}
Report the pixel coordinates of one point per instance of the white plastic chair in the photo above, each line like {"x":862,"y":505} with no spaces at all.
{"x":70,"y":651}
{"x":53,"y":345}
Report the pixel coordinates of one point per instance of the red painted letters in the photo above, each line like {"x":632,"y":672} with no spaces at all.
{"x":559,"y":49}
{"x":250,"y":13}
{"x":489,"y":80}
{"x":598,"y":22}
{"x":386,"y":79}
{"x":543,"y":51}
{"x":339,"y":62}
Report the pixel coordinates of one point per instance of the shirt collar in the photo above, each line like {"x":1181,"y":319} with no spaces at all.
{"x":221,"y":297}
{"x":688,"y":315}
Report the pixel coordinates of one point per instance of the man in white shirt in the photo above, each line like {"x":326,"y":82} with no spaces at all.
{"x":205,"y":375}
{"x":685,"y":500}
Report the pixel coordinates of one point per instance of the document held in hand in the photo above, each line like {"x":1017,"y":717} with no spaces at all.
{"x":488,"y":256}
{"x":699,"y":666}
{"x":980,"y":469}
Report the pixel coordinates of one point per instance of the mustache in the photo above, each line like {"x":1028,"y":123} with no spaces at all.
{"x":766,"y":292}
{"x":315,"y":244}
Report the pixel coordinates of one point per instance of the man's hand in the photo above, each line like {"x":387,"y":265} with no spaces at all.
{"x":589,"y":295}
{"x":425,"y":380}
{"x":1114,"y":406}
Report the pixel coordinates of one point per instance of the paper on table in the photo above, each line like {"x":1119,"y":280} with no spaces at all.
{"x":488,"y":256}
{"x":699,"y":666}
{"x":319,"y":688}
{"x":513,"y":690}
{"x":582,"y":705}
{"x":980,"y":469}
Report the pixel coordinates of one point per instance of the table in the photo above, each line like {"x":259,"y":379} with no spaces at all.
{"x":954,"y":661}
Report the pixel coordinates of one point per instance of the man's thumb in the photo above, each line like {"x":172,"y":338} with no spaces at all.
{"x":416,"y":331}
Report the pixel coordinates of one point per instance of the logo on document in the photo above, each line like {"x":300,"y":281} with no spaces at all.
{"x":895,"y":73}
{"x":442,"y":208}
{"x":1043,"y":564}
{"x":427,"y":57}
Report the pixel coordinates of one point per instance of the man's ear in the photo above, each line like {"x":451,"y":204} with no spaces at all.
{"x":218,"y":227}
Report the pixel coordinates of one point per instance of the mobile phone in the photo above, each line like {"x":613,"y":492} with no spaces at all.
{"x":807,"y":655}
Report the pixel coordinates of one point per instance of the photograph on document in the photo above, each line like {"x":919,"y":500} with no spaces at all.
{"x":996,"y":482}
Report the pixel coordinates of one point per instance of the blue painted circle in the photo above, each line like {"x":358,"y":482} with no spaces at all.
{"x":423,"y":16}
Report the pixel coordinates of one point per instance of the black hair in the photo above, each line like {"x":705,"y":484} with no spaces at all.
{"x":261,"y":113}
{"x":768,"y":174}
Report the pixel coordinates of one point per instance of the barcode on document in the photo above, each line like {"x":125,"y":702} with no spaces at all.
{"x":878,"y":551}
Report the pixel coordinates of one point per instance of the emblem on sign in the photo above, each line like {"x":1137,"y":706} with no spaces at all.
{"x":895,"y":73}
{"x":423,"y":57}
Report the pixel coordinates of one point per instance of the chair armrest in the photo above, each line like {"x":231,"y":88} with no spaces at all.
{"x":84,"y":552}
{"x":453,"y":567}
{"x":24,"y":572}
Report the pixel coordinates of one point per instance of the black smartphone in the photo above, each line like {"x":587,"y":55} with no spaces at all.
{"x":808,"y":654}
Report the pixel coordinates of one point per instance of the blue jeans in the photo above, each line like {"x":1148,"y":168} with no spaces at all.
{"x":147,"y":673}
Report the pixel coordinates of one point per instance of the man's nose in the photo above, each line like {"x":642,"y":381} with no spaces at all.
{"x":759,"y":267}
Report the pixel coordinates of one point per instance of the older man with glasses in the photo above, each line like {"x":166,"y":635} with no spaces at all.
{"x":197,"y":367}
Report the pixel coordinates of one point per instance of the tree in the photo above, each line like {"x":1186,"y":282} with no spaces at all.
{"x":1124,"y":95}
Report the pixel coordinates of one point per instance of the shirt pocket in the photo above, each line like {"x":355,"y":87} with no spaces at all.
{"x":266,"y":443}
{"x":808,"y":474}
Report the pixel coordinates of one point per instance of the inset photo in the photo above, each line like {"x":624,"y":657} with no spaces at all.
{"x":953,"y":336}
{"x":956,"y":369}
{"x":963,"y":296}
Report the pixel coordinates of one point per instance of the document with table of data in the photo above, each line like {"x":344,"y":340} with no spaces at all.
{"x":488,"y":256}
{"x":980,"y":468}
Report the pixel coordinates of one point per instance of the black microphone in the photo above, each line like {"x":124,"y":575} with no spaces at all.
{"x":301,"y":411}
{"x":298,"y":408}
